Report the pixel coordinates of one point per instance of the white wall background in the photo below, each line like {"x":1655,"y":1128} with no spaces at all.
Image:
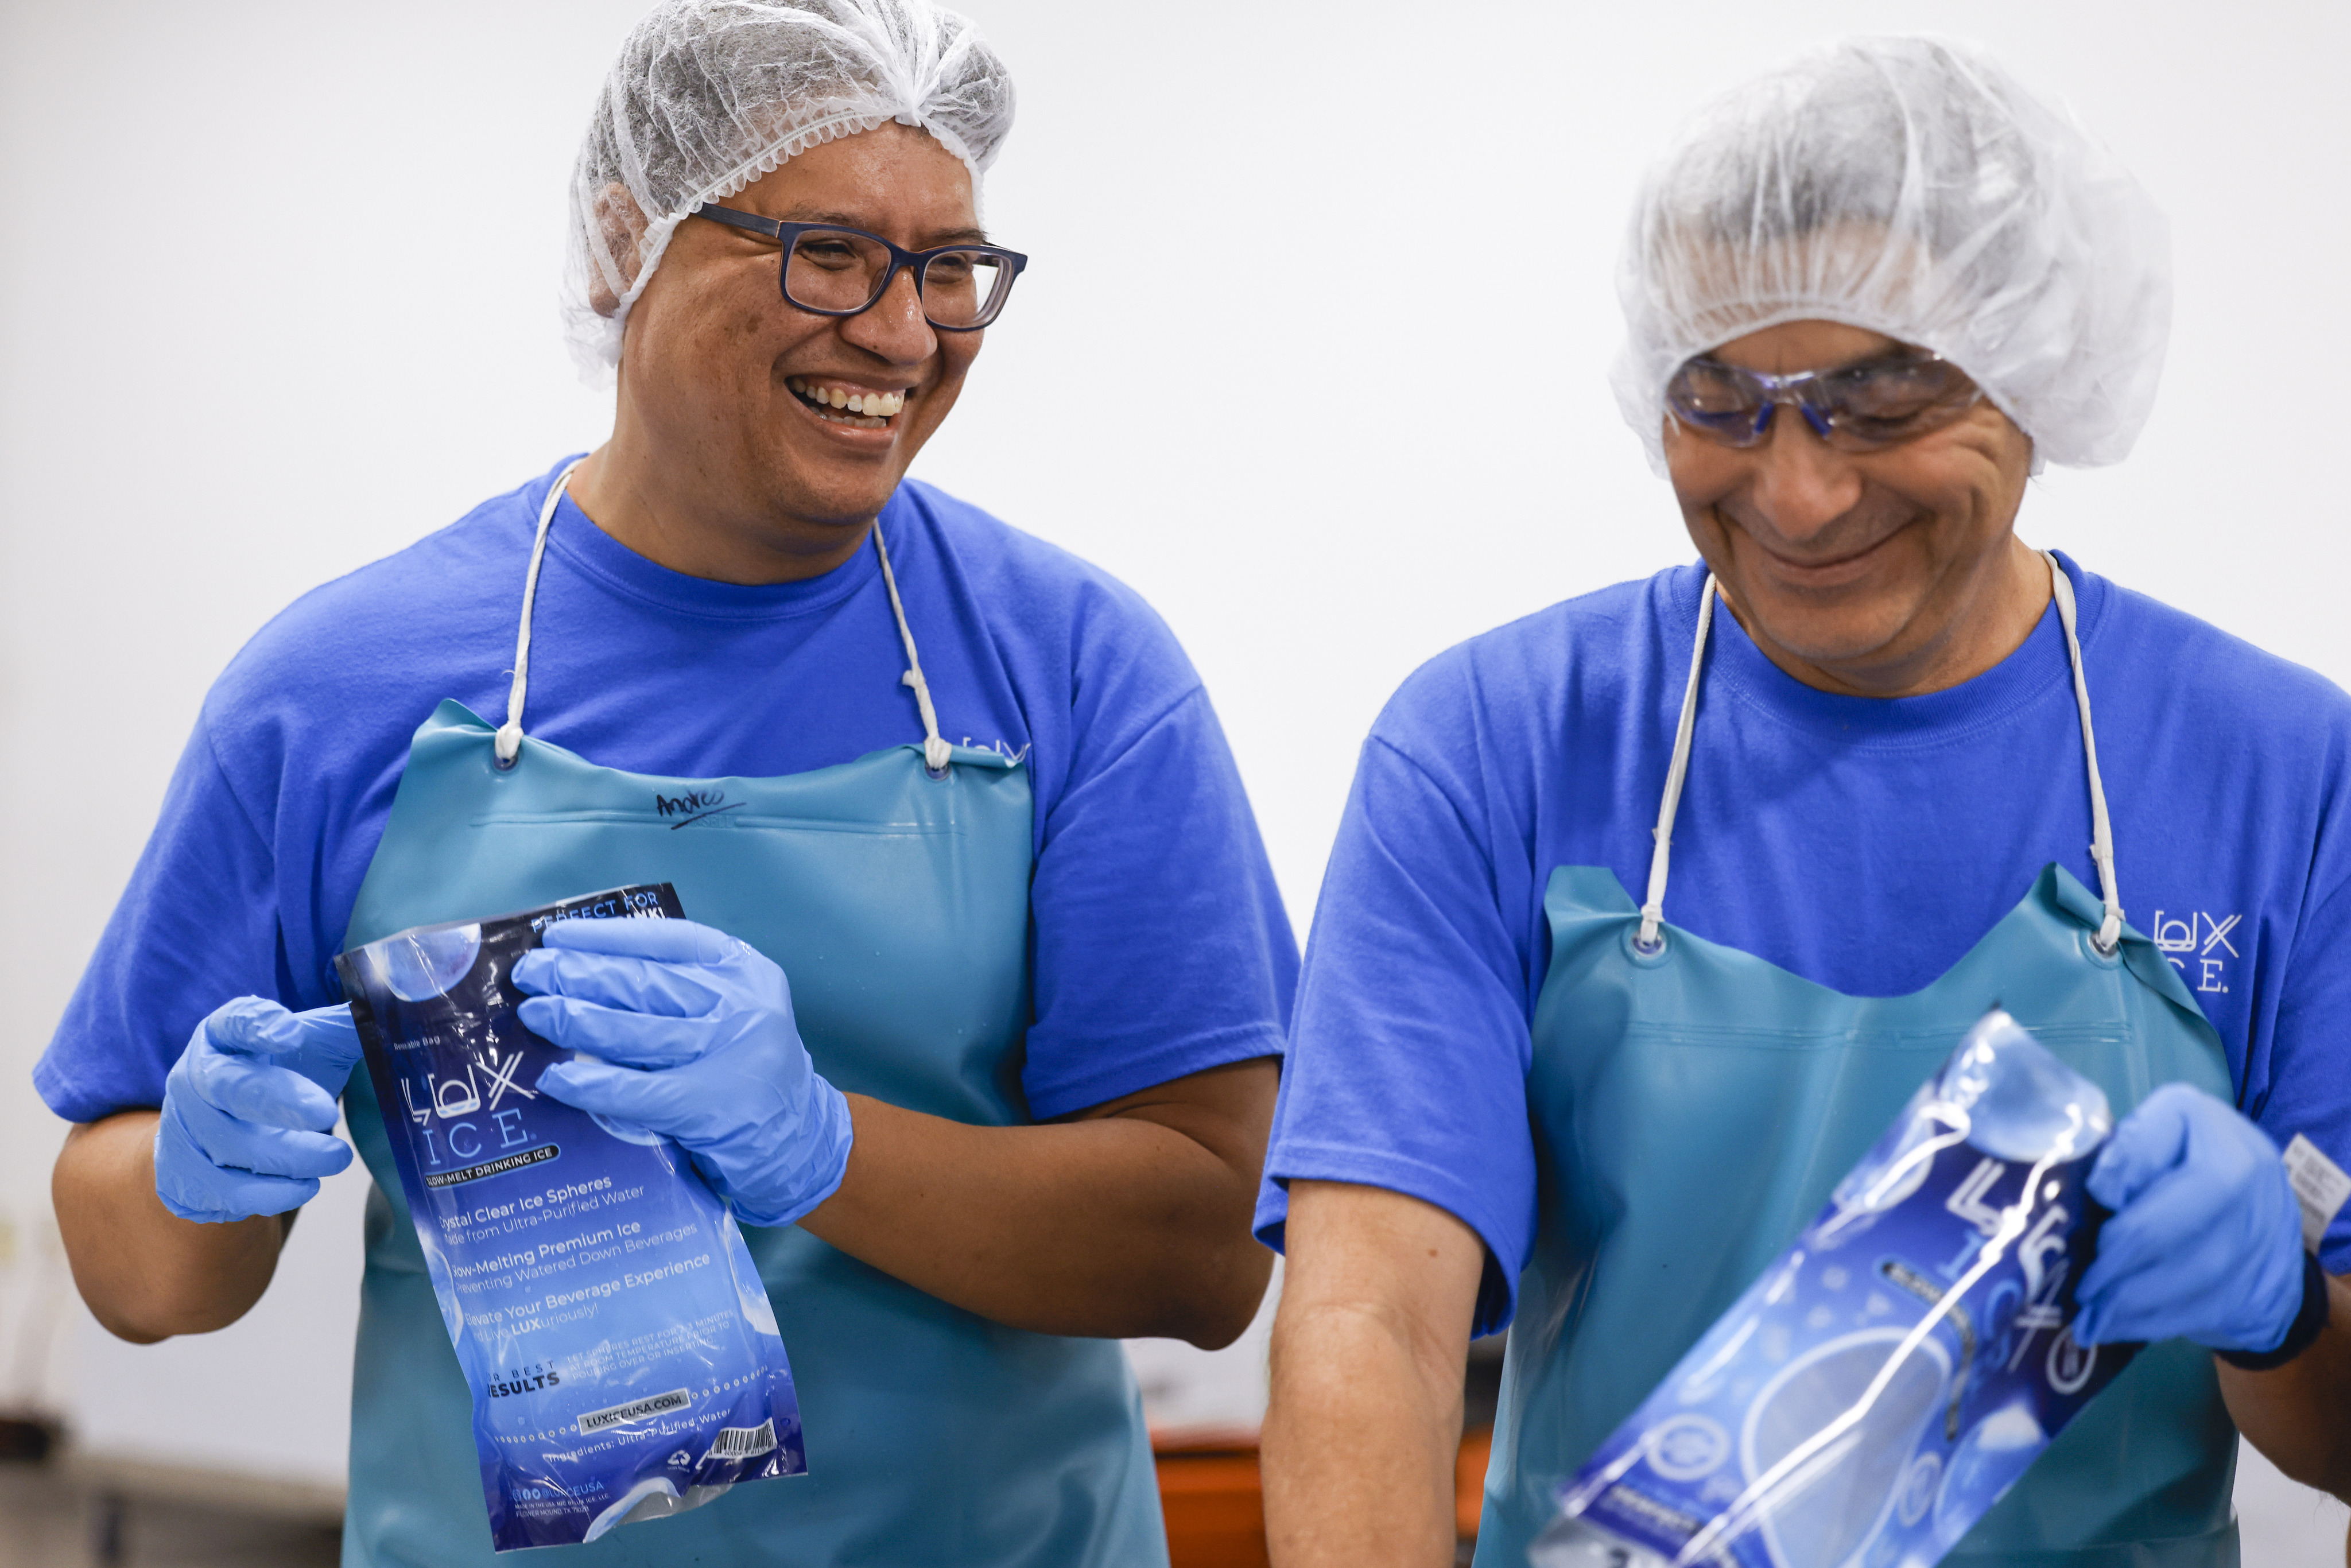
{"x":276,"y":299}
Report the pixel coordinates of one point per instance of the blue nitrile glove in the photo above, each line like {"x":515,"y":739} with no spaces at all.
{"x":250,"y":1112}
{"x":697,"y":1042}
{"x":2205,"y":1239}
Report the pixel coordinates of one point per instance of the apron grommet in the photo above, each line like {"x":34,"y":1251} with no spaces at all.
{"x":1654,"y":955}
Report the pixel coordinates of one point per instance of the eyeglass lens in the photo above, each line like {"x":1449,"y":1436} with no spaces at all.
{"x":1878,"y":402}
{"x":840,"y":270}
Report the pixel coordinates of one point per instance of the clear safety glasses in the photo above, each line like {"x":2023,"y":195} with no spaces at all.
{"x":1863,"y":407}
{"x":834,"y":271}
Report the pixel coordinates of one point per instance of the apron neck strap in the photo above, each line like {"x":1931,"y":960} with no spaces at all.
{"x":934,"y":749}
{"x":1653,"y":908}
{"x":2101,"y":831}
{"x":508,"y":744}
{"x":1651,"y":939}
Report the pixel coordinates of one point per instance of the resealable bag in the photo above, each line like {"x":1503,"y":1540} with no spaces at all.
{"x":622,"y":1354}
{"x":1897,"y":1368}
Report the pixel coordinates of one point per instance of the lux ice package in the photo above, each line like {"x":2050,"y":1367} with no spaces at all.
{"x":622,"y":1354}
{"x":1897,"y":1368}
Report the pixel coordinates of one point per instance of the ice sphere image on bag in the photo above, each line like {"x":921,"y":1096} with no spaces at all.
{"x":622,"y":1352}
{"x":1897,"y":1368}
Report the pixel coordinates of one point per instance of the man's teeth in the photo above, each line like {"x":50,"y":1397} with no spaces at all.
{"x":870,"y":410}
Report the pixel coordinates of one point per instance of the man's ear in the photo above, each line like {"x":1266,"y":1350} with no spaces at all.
{"x":621,"y":224}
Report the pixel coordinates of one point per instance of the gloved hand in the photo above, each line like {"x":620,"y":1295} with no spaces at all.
{"x":2205,"y":1239}
{"x":697,"y":1042}
{"x":250,"y":1112}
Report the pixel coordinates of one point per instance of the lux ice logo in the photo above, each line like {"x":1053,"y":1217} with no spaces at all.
{"x":2199,"y":934}
{"x":2041,"y":1250}
{"x":461,"y":1095}
{"x":450,"y":1098}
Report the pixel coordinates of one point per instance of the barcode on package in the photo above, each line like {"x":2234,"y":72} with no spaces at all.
{"x":635,"y":1410}
{"x":742,"y":1442}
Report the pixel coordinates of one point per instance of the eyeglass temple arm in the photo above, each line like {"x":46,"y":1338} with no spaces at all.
{"x":757,"y":226}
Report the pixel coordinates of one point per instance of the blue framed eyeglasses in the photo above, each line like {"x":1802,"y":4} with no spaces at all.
{"x":830,"y":270}
{"x":1863,"y":407}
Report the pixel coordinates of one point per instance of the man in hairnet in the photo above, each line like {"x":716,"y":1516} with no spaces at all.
{"x":1868,"y":296}
{"x":1002,"y":1039}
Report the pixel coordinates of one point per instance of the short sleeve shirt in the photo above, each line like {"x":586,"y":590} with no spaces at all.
{"x":1147,"y":963}
{"x":1864,"y":844}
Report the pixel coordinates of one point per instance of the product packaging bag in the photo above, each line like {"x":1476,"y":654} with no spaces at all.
{"x":622,"y":1354}
{"x":1897,"y":1368}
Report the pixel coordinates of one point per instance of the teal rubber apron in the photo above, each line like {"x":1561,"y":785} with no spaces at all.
{"x":1692,"y":1107}
{"x":894,"y":890}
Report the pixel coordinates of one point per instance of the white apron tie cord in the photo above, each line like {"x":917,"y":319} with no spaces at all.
{"x":2102,"y":832}
{"x":1653,"y":912}
{"x":936,"y":751}
{"x":1651,"y":937}
{"x":508,"y":744}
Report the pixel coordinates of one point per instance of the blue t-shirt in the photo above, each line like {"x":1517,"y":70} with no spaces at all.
{"x":1864,"y":844}
{"x":1159,"y":946}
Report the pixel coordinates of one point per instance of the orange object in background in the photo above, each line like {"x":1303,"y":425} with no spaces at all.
{"x":1470,"y":1479}
{"x":1214,"y":1501}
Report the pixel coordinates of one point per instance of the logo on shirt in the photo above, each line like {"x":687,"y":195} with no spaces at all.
{"x":2198,"y":945}
{"x":693,"y":806}
{"x":1012,"y":757}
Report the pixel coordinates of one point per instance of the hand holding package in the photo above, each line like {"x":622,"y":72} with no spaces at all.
{"x":250,"y":1112}
{"x":689,"y":1033}
{"x":623,"y":1357}
{"x":1902,"y":1363}
{"x":2205,"y":1239}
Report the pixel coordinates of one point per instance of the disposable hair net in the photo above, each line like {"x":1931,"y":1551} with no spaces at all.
{"x":709,"y":95}
{"x":1909,"y":187}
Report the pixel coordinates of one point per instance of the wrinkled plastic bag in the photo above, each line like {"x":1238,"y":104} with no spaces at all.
{"x":622,"y":1354}
{"x":1894,"y":1371}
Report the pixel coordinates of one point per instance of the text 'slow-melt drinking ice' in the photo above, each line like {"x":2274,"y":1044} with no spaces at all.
{"x":622,"y":1354}
{"x":1897,"y":1368}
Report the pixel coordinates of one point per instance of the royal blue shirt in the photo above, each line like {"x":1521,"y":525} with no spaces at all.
{"x":1158,"y":943}
{"x":1864,"y":844}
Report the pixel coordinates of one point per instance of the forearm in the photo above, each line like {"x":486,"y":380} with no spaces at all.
{"x":1364,"y":1424}
{"x":146,"y":1274}
{"x":2300,"y":1414}
{"x":1359,"y":1445}
{"x":1134,"y":1221}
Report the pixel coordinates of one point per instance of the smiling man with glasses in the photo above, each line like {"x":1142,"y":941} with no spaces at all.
{"x":993,"y":1087}
{"x":1866,"y":297}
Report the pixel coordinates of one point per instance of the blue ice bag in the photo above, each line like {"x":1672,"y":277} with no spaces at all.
{"x":622,"y":1352}
{"x":1897,"y":1368}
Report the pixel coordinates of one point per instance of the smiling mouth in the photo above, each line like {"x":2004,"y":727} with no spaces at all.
{"x":860,"y":408}
{"x":1793,"y":564}
{"x":1802,"y":568}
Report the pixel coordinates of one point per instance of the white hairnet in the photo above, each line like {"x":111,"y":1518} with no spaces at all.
{"x":1909,"y":187}
{"x":709,"y":95}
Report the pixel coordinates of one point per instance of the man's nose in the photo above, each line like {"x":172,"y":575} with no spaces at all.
{"x":894,"y":326}
{"x":1801,"y":483}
